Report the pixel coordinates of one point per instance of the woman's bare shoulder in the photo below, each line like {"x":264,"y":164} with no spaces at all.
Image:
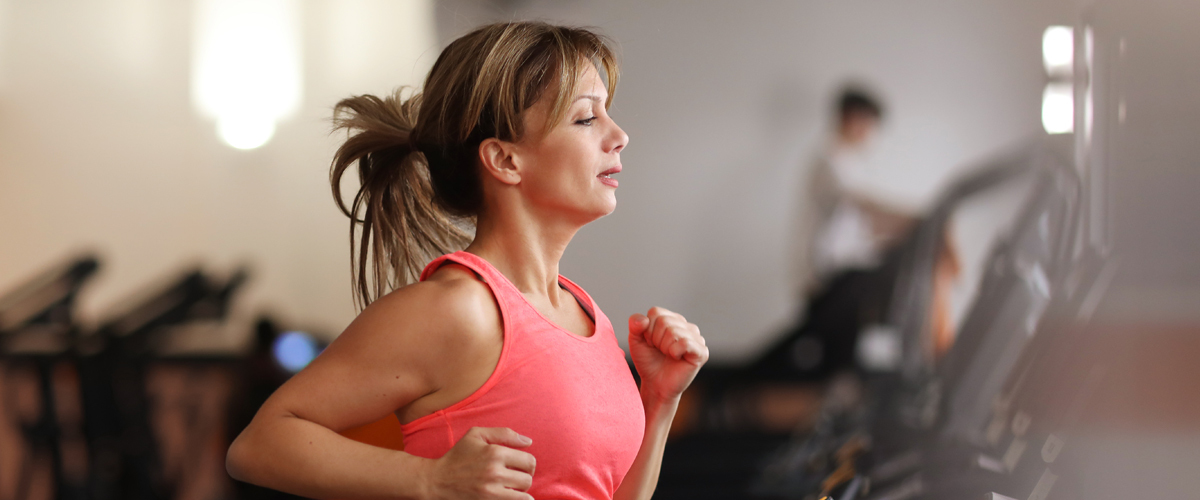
{"x":449,"y":308}
{"x":404,"y":346}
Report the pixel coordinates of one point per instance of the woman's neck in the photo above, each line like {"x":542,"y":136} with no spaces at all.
{"x":525,"y":250}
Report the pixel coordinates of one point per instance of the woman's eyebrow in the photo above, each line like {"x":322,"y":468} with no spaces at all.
{"x":595,"y":98}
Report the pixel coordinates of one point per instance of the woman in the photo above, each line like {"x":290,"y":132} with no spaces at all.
{"x":506,"y":377}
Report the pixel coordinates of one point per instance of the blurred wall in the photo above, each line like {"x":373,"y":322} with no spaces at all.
{"x":100,"y":148}
{"x":725,"y":102}
{"x":1147,"y":145}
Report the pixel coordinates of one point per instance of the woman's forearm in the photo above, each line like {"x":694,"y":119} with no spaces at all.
{"x":642,"y":478}
{"x":291,"y":454}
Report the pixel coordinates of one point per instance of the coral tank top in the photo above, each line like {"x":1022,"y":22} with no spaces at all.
{"x":574,"y":396}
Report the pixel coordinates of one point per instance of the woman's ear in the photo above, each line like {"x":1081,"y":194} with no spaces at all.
{"x":497,"y":158}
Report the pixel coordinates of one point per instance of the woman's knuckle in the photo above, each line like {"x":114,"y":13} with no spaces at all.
{"x":492,"y":452}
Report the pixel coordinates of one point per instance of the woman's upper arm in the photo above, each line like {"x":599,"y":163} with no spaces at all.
{"x":392,"y":354}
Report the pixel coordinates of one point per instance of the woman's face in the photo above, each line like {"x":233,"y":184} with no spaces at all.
{"x":567,"y":170}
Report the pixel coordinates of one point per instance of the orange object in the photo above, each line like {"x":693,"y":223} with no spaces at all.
{"x":384,"y":433}
{"x":945,"y":272}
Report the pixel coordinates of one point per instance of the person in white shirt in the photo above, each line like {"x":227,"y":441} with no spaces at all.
{"x":843,"y":265}
{"x":849,"y":221}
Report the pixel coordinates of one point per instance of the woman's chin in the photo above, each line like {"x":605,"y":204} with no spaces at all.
{"x":610,"y":207}
{"x":599,"y":211}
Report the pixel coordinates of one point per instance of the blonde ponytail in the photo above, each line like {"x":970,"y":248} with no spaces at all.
{"x":402,"y":226}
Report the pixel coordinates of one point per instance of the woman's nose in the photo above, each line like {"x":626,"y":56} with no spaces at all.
{"x":619,"y":139}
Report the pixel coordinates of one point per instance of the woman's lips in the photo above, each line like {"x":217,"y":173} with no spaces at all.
{"x":605,"y":176}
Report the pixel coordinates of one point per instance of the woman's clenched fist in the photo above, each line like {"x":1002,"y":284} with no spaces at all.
{"x":667,"y":352}
{"x":484,"y":464}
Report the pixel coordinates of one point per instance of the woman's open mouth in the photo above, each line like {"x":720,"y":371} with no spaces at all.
{"x":606,"y":176}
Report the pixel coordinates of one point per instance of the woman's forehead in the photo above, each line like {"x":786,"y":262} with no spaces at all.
{"x":589,"y":88}
{"x":589,"y":82}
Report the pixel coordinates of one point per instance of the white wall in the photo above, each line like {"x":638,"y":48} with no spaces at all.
{"x":724,"y":101}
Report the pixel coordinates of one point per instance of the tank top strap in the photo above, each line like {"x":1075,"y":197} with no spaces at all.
{"x":581,"y":296}
{"x":514,"y":308}
{"x":507,"y":296}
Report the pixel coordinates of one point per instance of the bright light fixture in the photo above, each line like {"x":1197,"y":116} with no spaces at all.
{"x":294,"y":350}
{"x":1058,"y":49}
{"x":246,"y":66}
{"x":1058,"y":109}
{"x":245,"y":132}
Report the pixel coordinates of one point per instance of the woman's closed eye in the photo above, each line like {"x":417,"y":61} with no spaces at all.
{"x":586,"y":121}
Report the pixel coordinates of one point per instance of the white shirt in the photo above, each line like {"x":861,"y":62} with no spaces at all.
{"x":835,"y":233}
{"x":845,"y":240}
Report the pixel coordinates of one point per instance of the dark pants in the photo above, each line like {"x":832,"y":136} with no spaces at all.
{"x":823,"y":341}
